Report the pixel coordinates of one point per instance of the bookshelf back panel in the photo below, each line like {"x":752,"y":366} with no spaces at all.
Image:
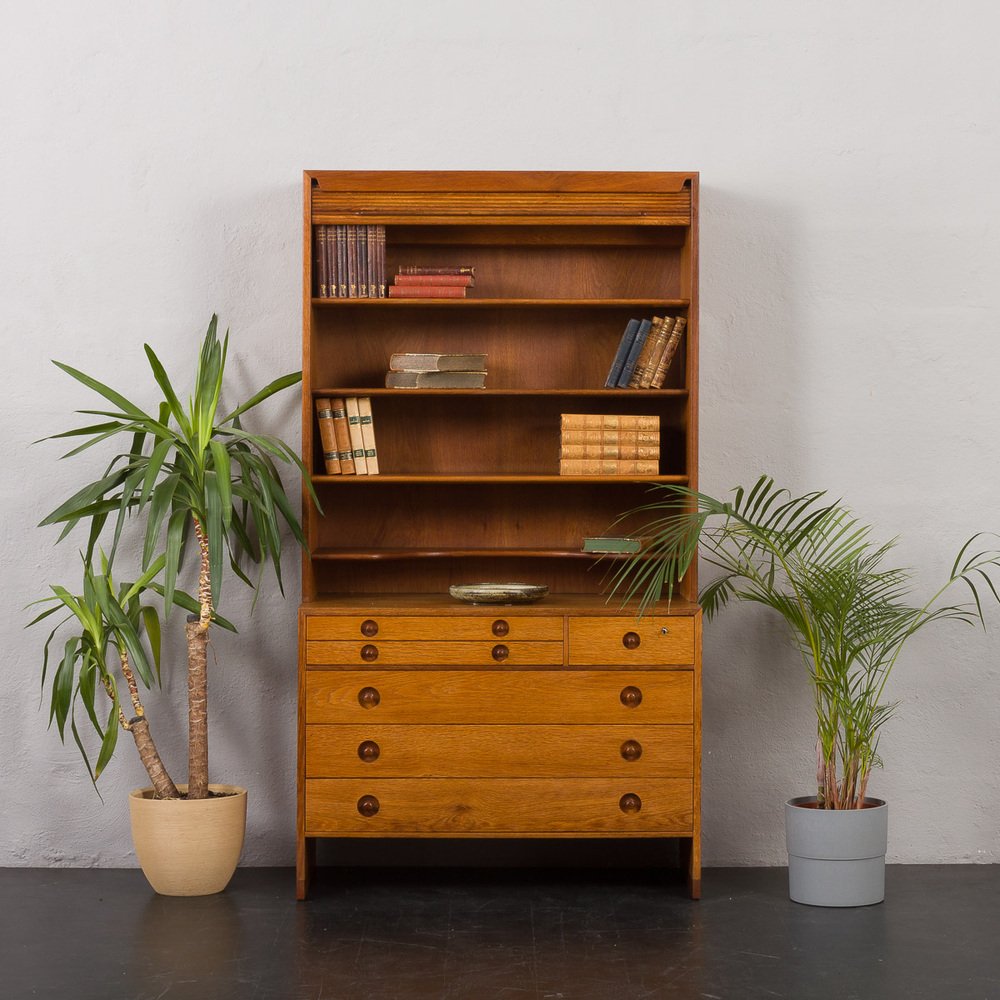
{"x":367,"y":515}
{"x":484,"y":435}
{"x":528,"y":347}
{"x":544,"y":268}
{"x":435,"y":576}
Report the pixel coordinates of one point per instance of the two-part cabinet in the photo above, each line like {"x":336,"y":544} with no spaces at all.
{"x":419,"y":715}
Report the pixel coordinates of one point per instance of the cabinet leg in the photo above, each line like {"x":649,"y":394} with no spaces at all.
{"x":691,"y":860}
{"x":305,"y":860}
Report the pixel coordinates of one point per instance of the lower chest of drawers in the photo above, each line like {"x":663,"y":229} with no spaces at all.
{"x":420,"y":729}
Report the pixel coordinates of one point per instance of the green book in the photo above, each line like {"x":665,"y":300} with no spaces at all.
{"x":612,"y":543}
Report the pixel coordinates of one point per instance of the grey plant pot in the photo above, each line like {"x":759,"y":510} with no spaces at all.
{"x":836,"y":857}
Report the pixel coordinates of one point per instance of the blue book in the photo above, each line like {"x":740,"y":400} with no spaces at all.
{"x":631,"y":328}
{"x":633,"y":355}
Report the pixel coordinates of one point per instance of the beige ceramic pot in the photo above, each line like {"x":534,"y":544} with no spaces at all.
{"x":189,"y":848}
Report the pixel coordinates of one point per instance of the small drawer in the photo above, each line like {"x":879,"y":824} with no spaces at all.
{"x":450,"y":807}
{"x":437,"y":627}
{"x":651,"y":641}
{"x":495,"y":653}
{"x":514,"y":697}
{"x":385,"y":751}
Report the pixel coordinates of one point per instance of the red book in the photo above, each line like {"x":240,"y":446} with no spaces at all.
{"x":426,"y":291}
{"x":444,"y":269}
{"x":435,"y":279}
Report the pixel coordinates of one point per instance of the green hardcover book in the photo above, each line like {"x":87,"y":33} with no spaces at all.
{"x":613,"y":543}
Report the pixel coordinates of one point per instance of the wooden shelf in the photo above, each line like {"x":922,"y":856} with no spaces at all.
{"x":473,"y":480}
{"x":474,"y":303}
{"x":334,"y":555}
{"x":604,"y":393}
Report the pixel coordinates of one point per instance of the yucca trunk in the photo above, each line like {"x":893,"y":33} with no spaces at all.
{"x":197,"y":648}
{"x":162,"y":783}
{"x":138,"y":726}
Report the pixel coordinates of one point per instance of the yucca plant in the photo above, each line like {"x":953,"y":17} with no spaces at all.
{"x":817,"y":565}
{"x":186,"y":473}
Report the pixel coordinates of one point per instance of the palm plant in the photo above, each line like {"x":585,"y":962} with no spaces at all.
{"x":817,"y":565}
{"x":187,"y":472}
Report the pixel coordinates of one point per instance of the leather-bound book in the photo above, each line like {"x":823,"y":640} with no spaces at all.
{"x":328,"y":437}
{"x":343,"y":435}
{"x":669,"y":352}
{"x":368,"y":434}
{"x":357,"y":442}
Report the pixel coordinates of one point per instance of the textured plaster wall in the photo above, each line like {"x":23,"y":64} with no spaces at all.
{"x":150,"y":163}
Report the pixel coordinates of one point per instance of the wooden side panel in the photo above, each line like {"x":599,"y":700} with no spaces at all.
{"x":449,"y":807}
{"x":379,"y":751}
{"x":644,"y":642}
{"x":554,"y":697}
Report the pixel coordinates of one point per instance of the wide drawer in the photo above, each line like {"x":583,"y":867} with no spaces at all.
{"x":440,"y":627}
{"x":378,"y":751}
{"x":451,"y":807}
{"x":478,"y":654}
{"x":473,"y":696}
{"x":656,"y":640}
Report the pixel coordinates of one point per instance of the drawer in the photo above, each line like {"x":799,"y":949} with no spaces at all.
{"x":497,"y":652}
{"x":508,"y":697}
{"x":486,"y":628}
{"x":449,"y":807}
{"x":654,"y":641}
{"x":379,"y":751}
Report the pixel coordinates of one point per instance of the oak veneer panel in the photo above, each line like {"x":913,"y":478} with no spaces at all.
{"x":565,"y":348}
{"x":446,"y":654}
{"x":390,"y":627}
{"x":449,"y":807}
{"x":498,"y":696}
{"x":500,"y":751}
{"x":661,"y":640}
{"x":473,"y":515}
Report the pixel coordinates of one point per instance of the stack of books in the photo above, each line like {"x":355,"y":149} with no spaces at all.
{"x":449,"y":281}
{"x":609,"y":444}
{"x":645,"y":353}
{"x":347,"y":435}
{"x":436,"y":371}
{"x":349,"y":262}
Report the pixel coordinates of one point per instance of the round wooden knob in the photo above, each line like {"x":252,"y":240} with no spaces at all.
{"x":630,"y":803}
{"x":500,"y":628}
{"x":368,"y":805}
{"x":369,"y":653}
{"x":631,"y":750}
{"x":369,"y":751}
{"x":368,"y":697}
{"x":500,"y":652}
{"x":631,"y":697}
{"x":631,"y":640}
{"x":369,"y":628}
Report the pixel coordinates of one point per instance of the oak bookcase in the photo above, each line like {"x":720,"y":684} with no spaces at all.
{"x":420,"y":716}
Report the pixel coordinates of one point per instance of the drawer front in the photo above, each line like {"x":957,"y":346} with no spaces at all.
{"x":442,"y":627}
{"x":451,"y":807}
{"x":508,"y":697}
{"x":378,"y":751}
{"x":654,"y":641}
{"x":495,"y":653}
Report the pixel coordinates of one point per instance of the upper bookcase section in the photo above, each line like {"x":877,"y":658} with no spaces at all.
{"x":549,"y":198}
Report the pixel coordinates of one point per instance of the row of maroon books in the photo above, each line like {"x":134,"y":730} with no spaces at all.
{"x":417,"y":281}
{"x":349,"y":262}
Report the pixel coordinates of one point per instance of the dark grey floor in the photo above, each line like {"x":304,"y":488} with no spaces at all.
{"x":479,"y":934}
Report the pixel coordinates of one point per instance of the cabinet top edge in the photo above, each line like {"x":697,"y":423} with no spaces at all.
{"x":500,"y":180}
{"x":438,"y":604}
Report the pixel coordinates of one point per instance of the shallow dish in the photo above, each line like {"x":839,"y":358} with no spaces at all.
{"x":498,"y":593}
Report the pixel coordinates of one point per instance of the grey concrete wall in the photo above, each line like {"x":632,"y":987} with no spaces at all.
{"x":150,"y":164}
